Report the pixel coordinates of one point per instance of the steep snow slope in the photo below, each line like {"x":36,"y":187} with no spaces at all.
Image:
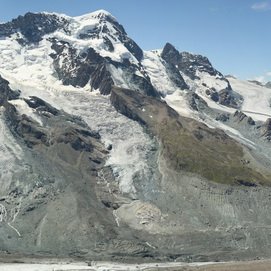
{"x":34,"y":76}
{"x":92,"y":30}
{"x":154,"y":66}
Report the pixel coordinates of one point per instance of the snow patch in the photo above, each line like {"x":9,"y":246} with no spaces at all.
{"x":257,"y":99}
{"x":153,"y":65}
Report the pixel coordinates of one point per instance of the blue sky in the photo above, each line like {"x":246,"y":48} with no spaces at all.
{"x":234,"y":34}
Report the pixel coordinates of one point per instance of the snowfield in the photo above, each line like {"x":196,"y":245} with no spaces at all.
{"x":257,"y":99}
{"x":98,"y":266}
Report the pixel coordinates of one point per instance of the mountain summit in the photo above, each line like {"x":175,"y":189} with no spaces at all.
{"x":110,"y":152}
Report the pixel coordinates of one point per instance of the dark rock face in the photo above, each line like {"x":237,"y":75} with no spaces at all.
{"x":26,"y":128}
{"x":172,"y":58}
{"x":41,"y":106}
{"x":227,"y":98}
{"x":175,"y":76}
{"x":268,"y":85}
{"x":79,"y":69}
{"x":213,"y":94}
{"x":73,"y":68}
{"x":190,"y":63}
{"x":76,"y":67}
{"x":171,"y":55}
{"x":60,"y":127}
{"x":223,"y":117}
{"x":266,"y":129}
{"x":33,"y":26}
{"x":242,"y":117}
{"x":5,"y":92}
{"x":101,"y":78}
{"x":196,"y":102}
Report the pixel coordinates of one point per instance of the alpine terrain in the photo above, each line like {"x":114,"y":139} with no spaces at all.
{"x":111,"y":152}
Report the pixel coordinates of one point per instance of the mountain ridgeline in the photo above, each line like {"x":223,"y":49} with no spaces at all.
{"x":110,"y":152}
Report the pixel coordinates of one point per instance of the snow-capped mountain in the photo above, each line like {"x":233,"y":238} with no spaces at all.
{"x":112,"y":152}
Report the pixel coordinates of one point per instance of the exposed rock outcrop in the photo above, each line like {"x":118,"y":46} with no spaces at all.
{"x":72,"y":67}
{"x":223,"y":117}
{"x":5,"y":92}
{"x":242,"y":117}
{"x":32,"y":26}
{"x":266,"y":129}
{"x":196,"y":102}
{"x":193,"y":66}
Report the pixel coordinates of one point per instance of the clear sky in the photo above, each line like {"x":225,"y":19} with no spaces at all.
{"x":234,"y":34}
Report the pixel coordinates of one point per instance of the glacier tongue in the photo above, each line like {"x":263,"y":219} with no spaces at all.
{"x":130,"y":145}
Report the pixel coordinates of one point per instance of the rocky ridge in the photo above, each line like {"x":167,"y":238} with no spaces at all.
{"x":196,"y":162}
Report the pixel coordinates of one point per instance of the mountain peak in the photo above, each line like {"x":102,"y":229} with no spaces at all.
{"x":170,"y":54}
{"x":98,"y":14}
{"x":101,"y":12}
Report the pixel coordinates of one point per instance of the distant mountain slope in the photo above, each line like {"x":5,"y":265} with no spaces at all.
{"x":256,"y":98}
{"x":111,"y":152}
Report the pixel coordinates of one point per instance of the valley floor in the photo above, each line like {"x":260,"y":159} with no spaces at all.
{"x":50,"y":265}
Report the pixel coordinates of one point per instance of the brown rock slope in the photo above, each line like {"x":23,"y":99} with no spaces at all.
{"x":189,"y":145}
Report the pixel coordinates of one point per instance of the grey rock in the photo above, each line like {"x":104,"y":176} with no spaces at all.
{"x":170,"y":54}
{"x":190,"y":63}
{"x":79,"y":69}
{"x":33,"y":26}
{"x":41,"y":106}
{"x":266,"y":129}
{"x":223,"y":117}
{"x":6,"y":93}
{"x":75,"y":69}
{"x":172,"y":59}
{"x":242,"y":117}
{"x":228,"y":98}
{"x":101,"y":78}
{"x":213,"y":94}
{"x":196,"y":102}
